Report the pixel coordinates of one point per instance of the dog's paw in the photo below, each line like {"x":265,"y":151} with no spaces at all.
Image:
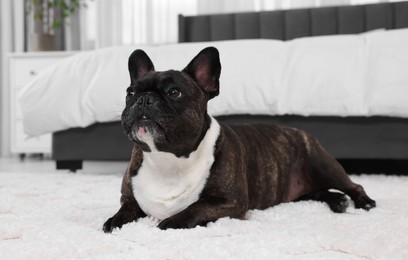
{"x":338,"y":203}
{"x":365,"y":203}
{"x":107,"y":226}
{"x":172,"y":224}
{"x":111,"y":224}
{"x":117,"y":221}
{"x":176,"y":222}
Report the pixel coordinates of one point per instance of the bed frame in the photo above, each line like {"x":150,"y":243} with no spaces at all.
{"x":361,"y":144}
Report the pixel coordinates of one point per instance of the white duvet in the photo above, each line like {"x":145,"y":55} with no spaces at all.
{"x":341,"y":75}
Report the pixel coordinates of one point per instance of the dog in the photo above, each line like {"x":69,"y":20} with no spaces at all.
{"x":188,"y":169}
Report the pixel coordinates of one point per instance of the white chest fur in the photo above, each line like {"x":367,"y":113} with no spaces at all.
{"x":165,"y":184}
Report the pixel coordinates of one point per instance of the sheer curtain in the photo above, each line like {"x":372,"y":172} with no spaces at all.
{"x":107,"y":23}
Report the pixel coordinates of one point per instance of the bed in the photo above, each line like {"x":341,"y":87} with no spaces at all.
{"x":362,"y":137}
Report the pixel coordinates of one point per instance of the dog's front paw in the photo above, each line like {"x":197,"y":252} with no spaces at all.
{"x":129,"y":212}
{"x":117,"y":221}
{"x":107,"y":226}
{"x":112,"y":223}
{"x":177,"y":222}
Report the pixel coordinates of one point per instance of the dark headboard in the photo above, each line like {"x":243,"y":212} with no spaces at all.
{"x":290,"y":24}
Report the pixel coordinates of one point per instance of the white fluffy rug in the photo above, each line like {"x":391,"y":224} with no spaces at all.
{"x":60,"y":215}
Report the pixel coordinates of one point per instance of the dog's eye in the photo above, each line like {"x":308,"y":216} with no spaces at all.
{"x":130,"y":93}
{"x":174,"y":93}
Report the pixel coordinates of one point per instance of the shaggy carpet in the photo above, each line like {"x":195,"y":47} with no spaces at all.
{"x":58,"y":215}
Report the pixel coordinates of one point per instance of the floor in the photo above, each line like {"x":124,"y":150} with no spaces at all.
{"x":36,"y":164}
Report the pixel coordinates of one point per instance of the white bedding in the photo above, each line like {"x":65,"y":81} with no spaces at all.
{"x":340,"y":75}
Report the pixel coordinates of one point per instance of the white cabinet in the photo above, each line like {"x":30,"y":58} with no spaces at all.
{"x":23,"y":67}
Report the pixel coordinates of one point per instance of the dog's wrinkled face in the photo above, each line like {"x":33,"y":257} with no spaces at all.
{"x":166,"y":111}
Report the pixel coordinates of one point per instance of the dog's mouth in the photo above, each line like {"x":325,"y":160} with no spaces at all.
{"x":148,"y":131}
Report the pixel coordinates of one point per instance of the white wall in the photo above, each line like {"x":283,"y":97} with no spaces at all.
{"x":11,"y":40}
{"x":4,"y":144}
{"x":5,"y":45}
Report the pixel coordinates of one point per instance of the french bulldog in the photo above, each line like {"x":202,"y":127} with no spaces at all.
{"x":188,"y":169}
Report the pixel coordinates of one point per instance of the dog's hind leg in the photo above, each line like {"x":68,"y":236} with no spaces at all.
{"x":329,"y":174}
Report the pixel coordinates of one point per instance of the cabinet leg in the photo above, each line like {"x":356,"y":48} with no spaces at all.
{"x":22,"y":156}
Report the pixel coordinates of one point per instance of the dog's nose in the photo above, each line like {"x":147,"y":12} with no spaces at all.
{"x":145,"y":101}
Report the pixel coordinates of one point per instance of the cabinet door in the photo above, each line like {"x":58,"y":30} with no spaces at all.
{"x":25,"y":69}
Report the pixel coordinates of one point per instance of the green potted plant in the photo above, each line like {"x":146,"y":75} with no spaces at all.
{"x":48,"y":16}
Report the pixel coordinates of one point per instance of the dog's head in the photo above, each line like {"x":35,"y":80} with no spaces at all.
{"x":167,"y":111}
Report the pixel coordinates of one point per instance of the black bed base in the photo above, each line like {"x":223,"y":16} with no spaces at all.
{"x":98,"y":142}
{"x":361,"y":144}
{"x":375,"y":166}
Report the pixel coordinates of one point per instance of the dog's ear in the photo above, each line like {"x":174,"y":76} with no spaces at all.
{"x":205,"y":69}
{"x":139,"y":64}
